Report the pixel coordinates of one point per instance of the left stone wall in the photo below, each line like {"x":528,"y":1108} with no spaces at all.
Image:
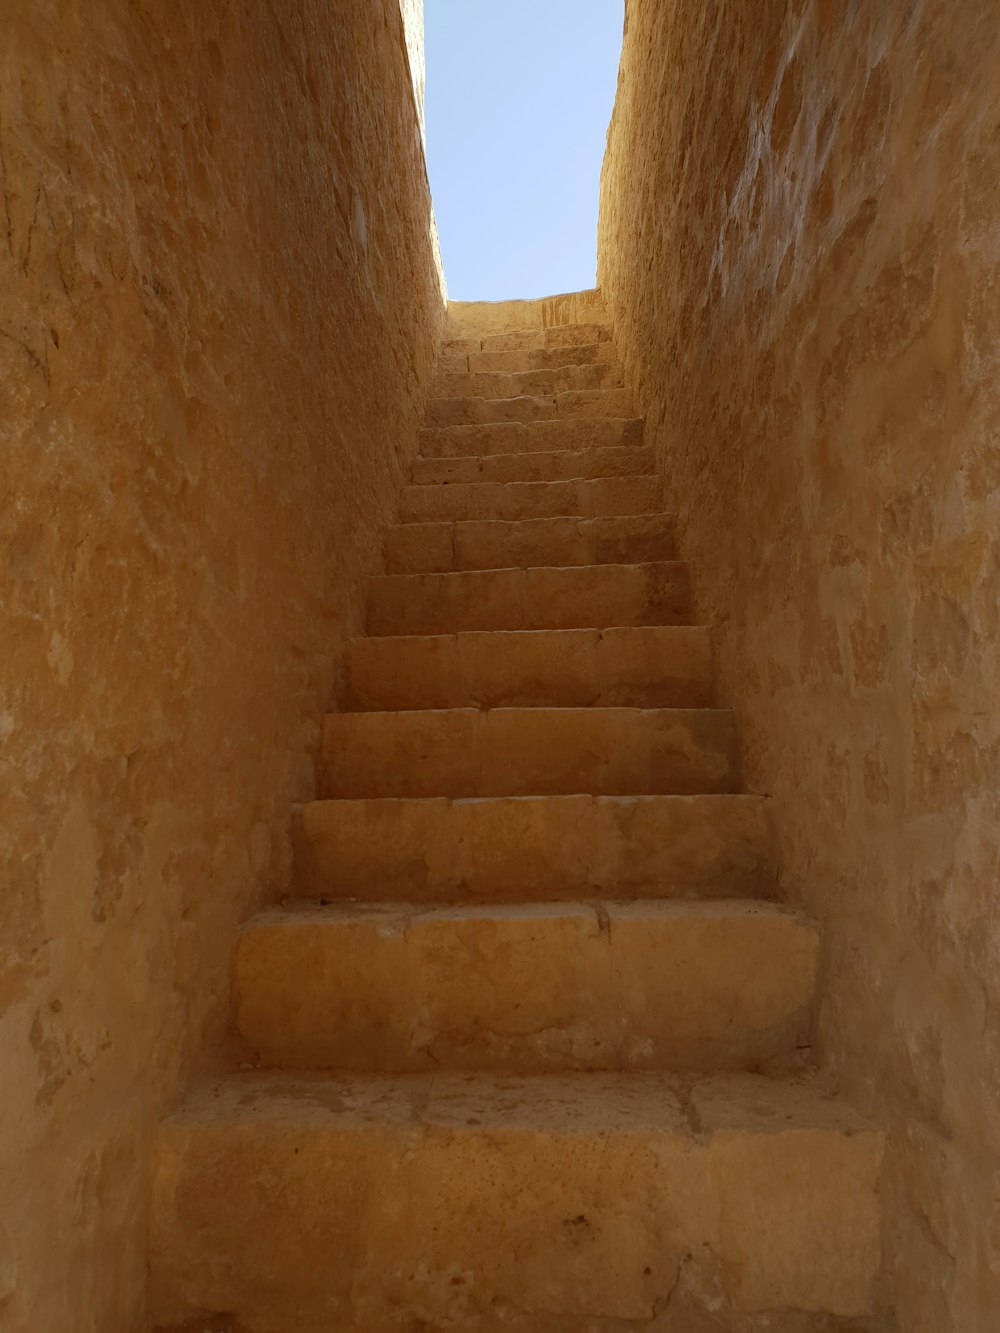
{"x":219,"y":307}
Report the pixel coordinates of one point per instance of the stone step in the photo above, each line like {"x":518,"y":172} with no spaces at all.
{"x":571,"y":404}
{"x":462,"y":752}
{"x":650,"y":985}
{"x":556,"y":465}
{"x":599,"y":497}
{"x":492,"y":1201}
{"x":584,"y":597}
{"x":513,"y":361}
{"x":527,"y":383}
{"x":476,"y":319}
{"x":429,"y":548}
{"x":562,"y":335}
{"x":648,"y":667}
{"x":530,"y":848}
{"x":535,"y":339}
{"x":518,"y":437}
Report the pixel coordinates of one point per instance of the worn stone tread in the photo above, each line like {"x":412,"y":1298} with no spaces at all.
{"x":278,"y":1194}
{"x":555,"y":465}
{"x":527,"y":848}
{"x":462,"y":752}
{"x":656,"y":985}
{"x":585,"y":597}
{"x":536,"y":382}
{"x":520,"y":437}
{"x":529,"y":407}
{"x":652,"y":666}
{"x":513,"y":360}
{"x":450,"y":546}
{"x":599,"y":497}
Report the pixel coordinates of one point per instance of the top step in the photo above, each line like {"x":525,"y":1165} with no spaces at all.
{"x":480,"y":319}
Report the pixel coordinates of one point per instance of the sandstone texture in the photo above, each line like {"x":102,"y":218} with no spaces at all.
{"x":799,"y":247}
{"x":553,"y":321}
{"x":219,"y":313}
{"x":654,"y":666}
{"x":464,"y":752}
{"x":534,"y":847}
{"x":577,"y":597}
{"x":653,"y":984}
{"x":526,"y":1045}
{"x":447,"y":546}
{"x":539,"y":1199}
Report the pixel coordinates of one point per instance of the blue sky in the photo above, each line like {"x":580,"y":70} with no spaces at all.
{"x":519,"y":95}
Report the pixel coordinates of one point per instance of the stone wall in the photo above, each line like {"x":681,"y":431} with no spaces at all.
{"x":218,"y":310}
{"x":799,"y":245}
{"x":413,"y":33}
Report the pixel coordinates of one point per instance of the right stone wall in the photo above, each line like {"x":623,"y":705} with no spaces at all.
{"x":799,"y":247}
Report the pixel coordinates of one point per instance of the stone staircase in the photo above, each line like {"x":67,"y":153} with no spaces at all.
{"x":532,"y":1033}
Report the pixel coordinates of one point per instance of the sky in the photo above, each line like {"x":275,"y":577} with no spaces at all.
{"x":519,"y":95}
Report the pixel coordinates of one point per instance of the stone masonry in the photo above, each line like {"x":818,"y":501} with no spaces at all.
{"x":526,"y":1046}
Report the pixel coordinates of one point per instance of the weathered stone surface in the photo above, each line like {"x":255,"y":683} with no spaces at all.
{"x":219,"y":311}
{"x":534,"y":383}
{"x":222,"y":321}
{"x":576,"y":1196}
{"x":799,"y":244}
{"x":529,"y":752}
{"x":428,"y":548}
{"x":519,"y":849}
{"x":528,"y":437}
{"x":590,"y":498}
{"x":542,"y":358}
{"x":558,"y":465}
{"x":654,"y":985}
{"x":572,"y":315}
{"x":647,"y":667}
{"x":527,"y":408}
{"x":557,"y":337}
{"x":688,"y":1308}
{"x":573,"y":598}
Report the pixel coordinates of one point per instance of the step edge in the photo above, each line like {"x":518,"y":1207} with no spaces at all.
{"x":527,"y":569}
{"x":466,"y":633}
{"x":308,"y":912}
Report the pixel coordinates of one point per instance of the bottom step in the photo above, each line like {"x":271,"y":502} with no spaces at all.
{"x":368,"y":1204}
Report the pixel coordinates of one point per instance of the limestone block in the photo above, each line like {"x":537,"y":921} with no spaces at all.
{"x":483,"y":411}
{"x":527,"y":408}
{"x":487,"y":318}
{"x":654,"y":985}
{"x":568,"y":335}
{"x":535,"y":340}
{"x":461,"y":752}
{"x":506,"y":849}
{"x":535,"y":382}
{"x":647,"y":667}
{"x":542,"y":358}
{"x":517,"y":340}
{"x":557,"y":465}
{"x":419,"y":548}
{"x":590,"y":596}
{"x":452,"y":360}
{"x":595,"y":403}
{"x":373,"y":1202}
{"x":587,"y":498}
{"x":416,"y":548}
{"x":529,"y":437}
